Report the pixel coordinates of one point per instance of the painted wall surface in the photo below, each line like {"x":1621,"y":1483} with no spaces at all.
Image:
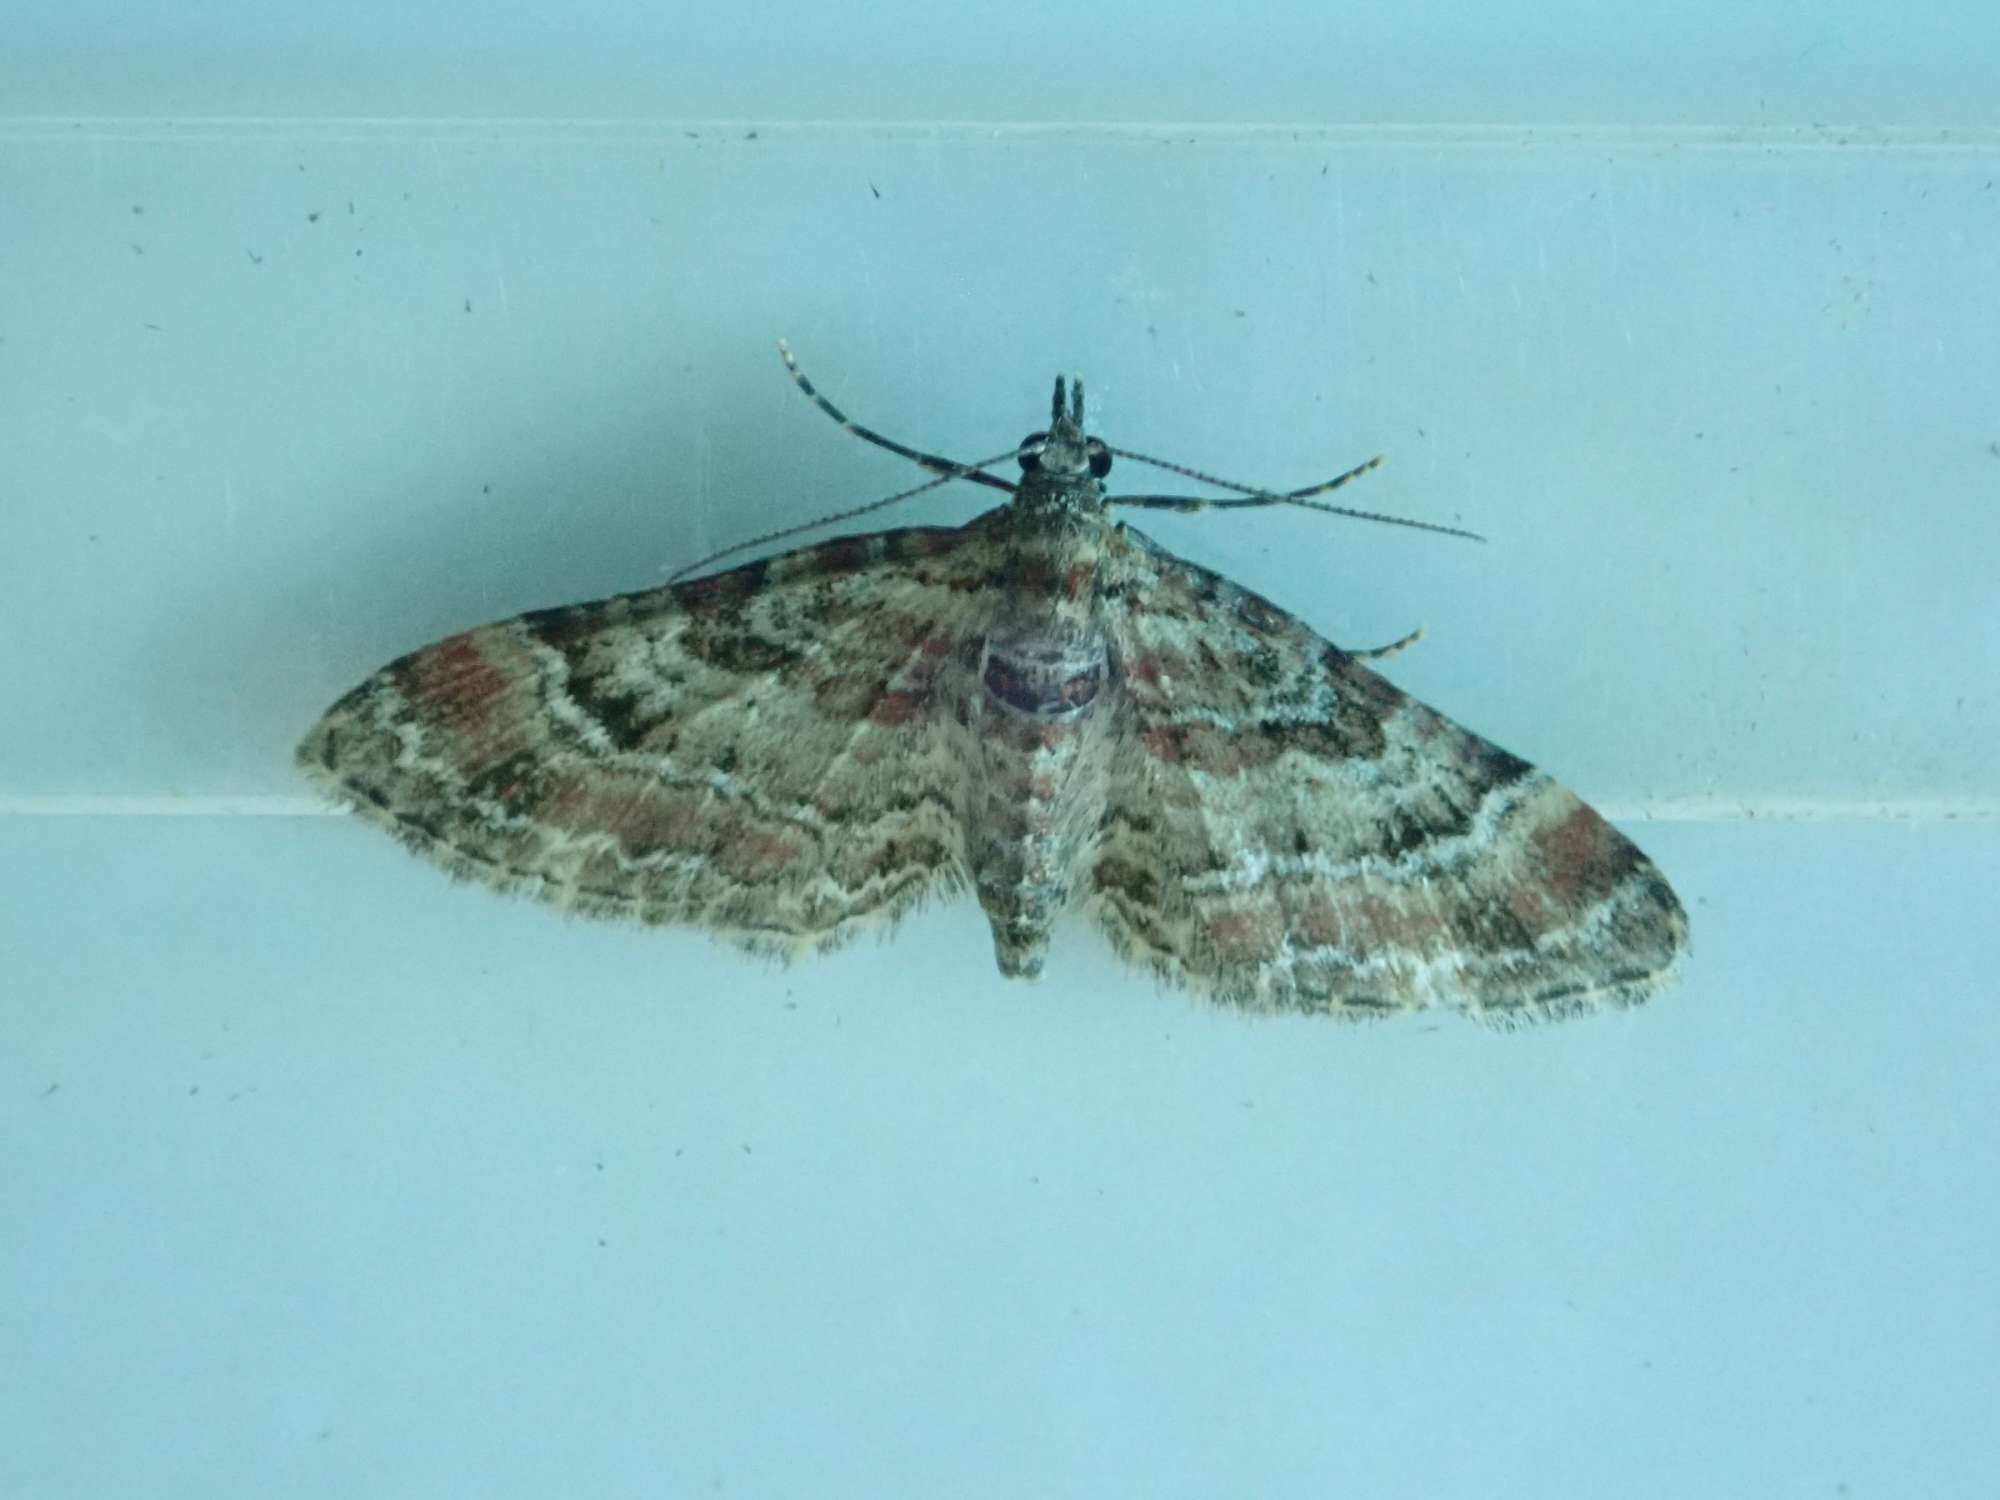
{"x":326,"y":333}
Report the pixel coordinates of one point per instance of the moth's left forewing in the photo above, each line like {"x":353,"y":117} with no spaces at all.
{"x":761,"y":753}
{"x":1287,"y":829}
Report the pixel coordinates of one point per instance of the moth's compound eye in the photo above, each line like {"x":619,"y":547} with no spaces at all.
{"x":1030,"y":454}
{"x":1100,"y":458}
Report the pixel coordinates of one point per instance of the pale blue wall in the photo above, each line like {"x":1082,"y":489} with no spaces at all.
{"x":320,"y":1176}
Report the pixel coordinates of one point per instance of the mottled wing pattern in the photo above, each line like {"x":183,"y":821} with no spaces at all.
{"x":755,"y":752}
{"x":1288,"y":830}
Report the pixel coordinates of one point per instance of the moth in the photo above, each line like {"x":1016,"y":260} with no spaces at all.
{"x":1043,"y":705}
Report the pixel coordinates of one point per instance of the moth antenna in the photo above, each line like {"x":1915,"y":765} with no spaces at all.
{"x":1255,"y":497}
{"x":1056,"y":407}
{"x":949,"y":468}
{"x":1076,"y":401}
{"x":839,"y":516}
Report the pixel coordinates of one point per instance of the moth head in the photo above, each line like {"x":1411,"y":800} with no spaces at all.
{"x":1065,"y":448}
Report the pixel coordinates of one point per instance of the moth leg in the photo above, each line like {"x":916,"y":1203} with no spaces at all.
{"x":1394,"y":648}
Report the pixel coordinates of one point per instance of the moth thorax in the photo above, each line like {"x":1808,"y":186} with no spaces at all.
{"x":1058,"y":498}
